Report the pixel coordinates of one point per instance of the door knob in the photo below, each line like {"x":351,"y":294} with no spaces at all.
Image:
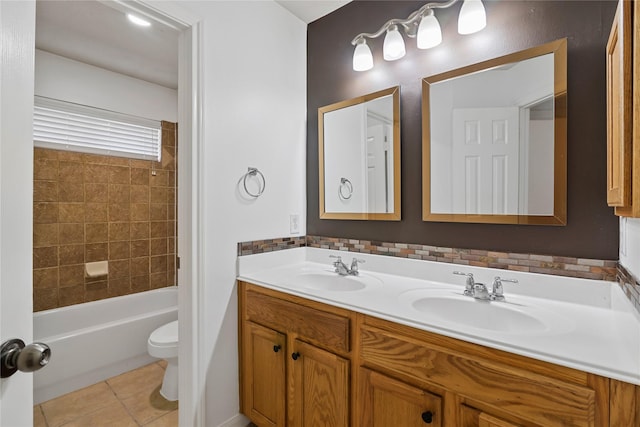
{"x":15,"y":356}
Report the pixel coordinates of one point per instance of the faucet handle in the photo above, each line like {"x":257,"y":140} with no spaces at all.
{"x":469,"y":286}
{"x":354,"y":265}
{"x":336,"y":256}
{"x":497,"y":293}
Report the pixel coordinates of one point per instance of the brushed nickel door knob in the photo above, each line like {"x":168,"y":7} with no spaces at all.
{"x":15,"y":356}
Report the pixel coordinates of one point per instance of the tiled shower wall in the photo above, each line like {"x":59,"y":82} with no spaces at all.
{"x":95,"y":208}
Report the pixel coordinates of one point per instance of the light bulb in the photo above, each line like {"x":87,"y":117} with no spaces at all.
{"x":362,"y":58}
{"x":472,"y":17}
{"x":429,"y":33}
{"x":393,"y":47}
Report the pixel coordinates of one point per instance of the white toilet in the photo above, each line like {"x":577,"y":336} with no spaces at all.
{"x":163,"y":344}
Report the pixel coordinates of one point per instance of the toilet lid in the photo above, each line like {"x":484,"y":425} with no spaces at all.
{"x":165,"y":335}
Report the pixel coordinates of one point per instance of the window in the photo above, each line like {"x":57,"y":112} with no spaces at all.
{"x":66,"y":126}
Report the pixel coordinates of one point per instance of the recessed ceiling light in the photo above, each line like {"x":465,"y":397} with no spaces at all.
{"x":138,"y":21}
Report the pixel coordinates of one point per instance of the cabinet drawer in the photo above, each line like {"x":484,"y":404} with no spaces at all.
{"x":324,"y":329}
{"x":534,"y":397}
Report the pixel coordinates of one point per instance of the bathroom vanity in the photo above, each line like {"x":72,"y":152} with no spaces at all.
{"x":378,"y":349}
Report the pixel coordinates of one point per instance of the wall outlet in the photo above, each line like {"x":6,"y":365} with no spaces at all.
{"x":294,"y":224}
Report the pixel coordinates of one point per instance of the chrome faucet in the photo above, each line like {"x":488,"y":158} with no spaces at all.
{"x":470,"y":284}
{"x":342,"y":269}
{"x":497,"y":293}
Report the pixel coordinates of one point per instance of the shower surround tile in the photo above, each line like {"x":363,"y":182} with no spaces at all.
{"x":94,"y":208}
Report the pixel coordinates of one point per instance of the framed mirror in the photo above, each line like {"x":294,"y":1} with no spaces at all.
{"x":494,"y":140}
{"x":359,"y":157}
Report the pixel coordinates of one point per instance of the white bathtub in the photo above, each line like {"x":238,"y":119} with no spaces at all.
{"x":93,"y":341}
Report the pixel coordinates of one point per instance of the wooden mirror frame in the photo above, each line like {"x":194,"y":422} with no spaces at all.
{"x":559,"y":50}
{"x":391,"y":216}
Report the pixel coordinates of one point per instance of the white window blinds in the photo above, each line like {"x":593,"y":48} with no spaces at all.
{"x":66,"y":126}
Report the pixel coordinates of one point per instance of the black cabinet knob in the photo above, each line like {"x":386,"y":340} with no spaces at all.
{"x":295,"y":355}
{"x":427,"y":417}
{"x":276,"y":348}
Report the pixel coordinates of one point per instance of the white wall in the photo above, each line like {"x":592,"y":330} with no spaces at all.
{"x":254,"y":115}
{"x":630,"y":245}
{"x":68,"y":80}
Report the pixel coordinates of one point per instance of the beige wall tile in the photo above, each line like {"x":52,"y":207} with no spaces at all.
{"x":158,"y":264}
{"x":96,"y":291}
{"x":171,"y":212}
{"x":71,"y":192}
{"x":119,"y":212}
{"x":119,"y":250}
{"x":45,"y":212}
{"x":45,"y":278}
{"x":69,"y":156}
{"x":171,"y":278}
{"x":45,"y":235}
{"x":96,"y":193}
{"x":120,"y":286}
{"x":140,"y":193}
{"x":46,"y":169}
{"x":141,"y":164}
{"x":44,"y":153}
{"x":140,"y":212}
{"x":158,"y":246}
{"x":45,"y":191}
{"x":71,"y":254}
{"x":119,"y":269}
{"x":71,"y":212}
{"x":140,"y":283}
{"x":140,"y":230}
{"x":71,"y":233}
{"x":171,"y":245}
{"x":96,"y":232}
{"x":70,"y":172}
{"x":139,"y":248}
{"x":45,"y":299}
{"x":119,"y":193}
{"x":96,"y":252}
{"x":158,"y":229}
{"x":158,"y":194}
{"x":96,"y":212}
{"x":171,"y":178}
{"x":71,"y":275}
{"x":158,"y":212}
{"x":120,"y":175}
{"x":45,"y":257}
{"x":94,"y":158}
{"x":119,"y":161}
{"x":140,"y":266}
{"x":71,"y":295}
{"x":159,"y":179}
{"x":140,"y":176}
{"x":119,"y":231}
{"x":158,"y":280}
{"x":94,"y":173}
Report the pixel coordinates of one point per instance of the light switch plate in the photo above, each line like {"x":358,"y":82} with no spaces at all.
{"x":294,"y":224}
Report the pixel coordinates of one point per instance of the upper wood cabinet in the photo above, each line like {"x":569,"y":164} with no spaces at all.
{"x":623,"y":104}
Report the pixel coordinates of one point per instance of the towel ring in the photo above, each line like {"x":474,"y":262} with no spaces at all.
{"x":254,"y":172}
{"x":345,"y":184}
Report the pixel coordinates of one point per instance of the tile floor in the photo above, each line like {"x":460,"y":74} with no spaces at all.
{"x":131,"y":399}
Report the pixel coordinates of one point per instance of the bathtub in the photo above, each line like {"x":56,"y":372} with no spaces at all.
{"x":93,"y":341}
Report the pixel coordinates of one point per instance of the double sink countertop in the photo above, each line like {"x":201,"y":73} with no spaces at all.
{"x":584,"y":324}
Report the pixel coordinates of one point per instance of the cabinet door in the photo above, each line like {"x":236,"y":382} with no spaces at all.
{"x":319,"y":393}
{"x":263,"y":375}
{"x":471,"y":417}
{"x":387,"y":402}
{"x":619,"y":108}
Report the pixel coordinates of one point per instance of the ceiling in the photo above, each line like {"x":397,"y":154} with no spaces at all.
{"x":95,"y":33}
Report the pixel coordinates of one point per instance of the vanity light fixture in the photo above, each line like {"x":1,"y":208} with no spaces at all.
{"x":138,"y":21}
{"x":421,"y":24}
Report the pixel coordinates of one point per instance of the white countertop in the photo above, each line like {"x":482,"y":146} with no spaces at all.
{"x":592,"y":325}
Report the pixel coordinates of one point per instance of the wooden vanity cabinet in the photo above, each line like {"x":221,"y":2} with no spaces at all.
{"x":295,"y":360}
{"x":623,"y":110}
{"x":305,"y":363}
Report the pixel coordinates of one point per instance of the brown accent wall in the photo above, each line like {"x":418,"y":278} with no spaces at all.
{"x":94,"y":208}
{"x":592,"y":229}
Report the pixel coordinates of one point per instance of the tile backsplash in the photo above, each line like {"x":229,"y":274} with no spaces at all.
{"x":99,"y":208}
{"x":598,"y":269}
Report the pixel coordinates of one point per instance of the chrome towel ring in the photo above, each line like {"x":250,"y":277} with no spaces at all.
{"x":262,"y":183}
{"x":345,"y":187}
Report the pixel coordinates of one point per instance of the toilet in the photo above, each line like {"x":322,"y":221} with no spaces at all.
{"x":163,"y":344}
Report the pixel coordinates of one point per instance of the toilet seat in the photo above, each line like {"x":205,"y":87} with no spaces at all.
{"x":163,"y":342}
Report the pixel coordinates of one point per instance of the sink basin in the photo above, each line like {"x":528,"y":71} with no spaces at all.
{"x":329,"y":281}
{"x":502,"y":317}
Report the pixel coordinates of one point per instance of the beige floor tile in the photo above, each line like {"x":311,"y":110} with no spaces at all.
{"x":113,"y":415}
{"x":77,"y":404}
{"x":38,"y":417}
{"x":169,"y":420}
{"x":163,"y":364}
{"x":145,"y":407}
{"x":140,"y":381}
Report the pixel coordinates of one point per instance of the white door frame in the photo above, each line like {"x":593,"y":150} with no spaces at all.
{"x":190,"y":209}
